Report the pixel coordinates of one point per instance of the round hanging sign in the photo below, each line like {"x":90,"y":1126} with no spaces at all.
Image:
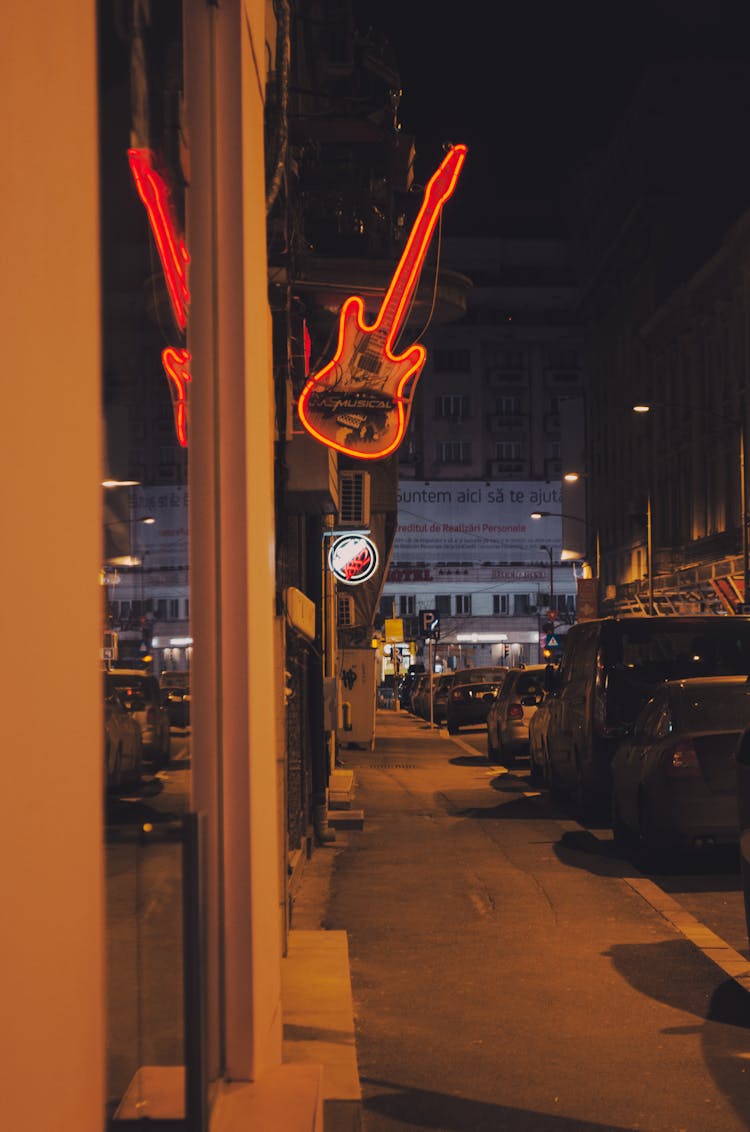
{"x":353,"y":559}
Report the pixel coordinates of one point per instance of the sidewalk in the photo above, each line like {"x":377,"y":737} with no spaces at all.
{"x":316,"y":980}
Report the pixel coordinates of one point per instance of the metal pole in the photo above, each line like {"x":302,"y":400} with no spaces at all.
{"x":649,"y":555}
{"x":743,"y":509}
{"x":430,"y":646}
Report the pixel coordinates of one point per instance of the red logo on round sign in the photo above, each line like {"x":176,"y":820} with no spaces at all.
{"x":353,"y":559}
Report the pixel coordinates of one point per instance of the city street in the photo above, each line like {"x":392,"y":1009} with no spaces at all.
{"x":510,"y":971}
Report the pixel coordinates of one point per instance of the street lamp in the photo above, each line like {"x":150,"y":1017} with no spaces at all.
{"x":741,"y":425}
{"x":130,"y":559}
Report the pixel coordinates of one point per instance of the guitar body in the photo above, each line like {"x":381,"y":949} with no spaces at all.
{"x":360,"y":402}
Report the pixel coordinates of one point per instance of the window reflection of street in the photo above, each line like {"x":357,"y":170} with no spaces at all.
{"x":145,"y":946}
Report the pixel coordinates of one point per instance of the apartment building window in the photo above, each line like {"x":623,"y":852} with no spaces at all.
{"x":344,"y":610}
{"x":499,"y":603}
{"x":463,"y":603}
{"x":451,"y":360}
{"x":385,"y":608}
{"x":563,"y":359}
{"x":161,"y":609}
{"x":503,"y":358}
{"x":509,"y":406}
{"x":443,"y":605}
{"x":452,"y":407}
{"x":508,"y":450}
{"x":407,"y":605}
{"x":174,"y":608}
{"x":453,"y":452}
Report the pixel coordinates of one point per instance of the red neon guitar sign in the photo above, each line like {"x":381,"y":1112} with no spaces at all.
{"x":154,"y":193}
{"x":176,"y":362}
{"x":359,"y":403}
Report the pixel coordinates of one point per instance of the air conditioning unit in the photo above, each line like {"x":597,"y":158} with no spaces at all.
{"x":354,"y":498}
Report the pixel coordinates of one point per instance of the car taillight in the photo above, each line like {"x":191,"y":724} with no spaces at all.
{"x":684,"y":761}
{"x":515,"y":711}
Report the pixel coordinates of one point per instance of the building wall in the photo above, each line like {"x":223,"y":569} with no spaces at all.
{"x":52,"y":941}
{"x":237,"y":702}
{"x":487,"y":416}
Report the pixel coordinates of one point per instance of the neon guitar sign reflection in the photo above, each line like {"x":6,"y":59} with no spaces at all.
{"x":153,"y":191}
{"x":359,"y":403}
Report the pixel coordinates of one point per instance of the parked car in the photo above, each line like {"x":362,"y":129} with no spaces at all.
{"x":743,"y":814}
{"x":406,"y":687}
{"x":123,"y":745}
{"x":421,"y":697}
{"x":440,"y":695}
{"x":440,"y":683}
{"x":141,"y":696}
{"x":538,"y":760}
{"x":508,"y":719}
{"x":471,"y":692}
{"x":674,"y":778}
{"x":416,"y":690}
{"x":175,"y":694}
{"x":610,"y":667}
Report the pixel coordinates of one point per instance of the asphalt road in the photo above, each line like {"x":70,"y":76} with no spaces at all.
{"x":509,"y":970}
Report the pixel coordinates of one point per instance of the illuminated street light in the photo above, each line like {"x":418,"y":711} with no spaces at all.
{"x":555,"y":515}
{"x":128,"y":559}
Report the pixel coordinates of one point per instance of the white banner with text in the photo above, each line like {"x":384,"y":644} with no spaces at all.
{"x":477,"y":521}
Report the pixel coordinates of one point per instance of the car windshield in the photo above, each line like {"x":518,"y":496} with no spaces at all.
{"x":479,"y":675}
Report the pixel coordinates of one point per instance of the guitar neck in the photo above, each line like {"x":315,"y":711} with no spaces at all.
{"x":406,"y":276}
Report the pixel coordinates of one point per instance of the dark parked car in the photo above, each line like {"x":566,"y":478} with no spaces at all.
{"x":471,"y":692}
{"x":674,"y":779}
{"x":743,"y":814}
{"x":406,"y":686}
{"x":610,"y":667}
{"x":440,"y":694}
{"x":175,"y":692}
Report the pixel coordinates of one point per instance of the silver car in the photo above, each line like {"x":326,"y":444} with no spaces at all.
{"x":508,"y":718}
{"x":141,"y":696}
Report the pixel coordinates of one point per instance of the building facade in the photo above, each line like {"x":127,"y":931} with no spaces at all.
{"x":659,"y":218}
{"x":486,"y":448}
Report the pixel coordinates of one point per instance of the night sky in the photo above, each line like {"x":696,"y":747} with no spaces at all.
{"x":532,"y":86}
